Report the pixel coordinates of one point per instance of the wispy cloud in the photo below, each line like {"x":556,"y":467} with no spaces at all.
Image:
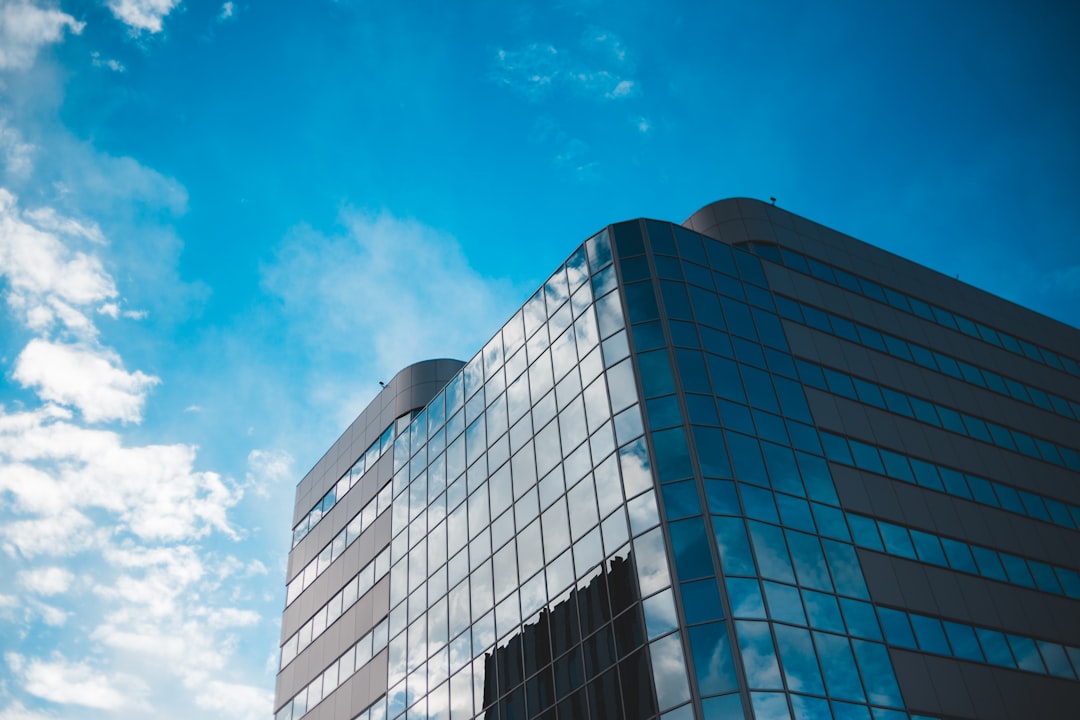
{"x":267,"y":468}
{"x":354,"y":282}
{"x":1065,"y":280}
{"x":531,"y":70}
{"x":76,"y":683}
{"x":569,"y":153}
{"x":574,"y":155}
{"x":16,"y":155}
{"x":25,"y":27}
{"x":108,"y":63}
{"x":18,"y":711}
{"x":142,"y":15}
{"x":597,"y":67}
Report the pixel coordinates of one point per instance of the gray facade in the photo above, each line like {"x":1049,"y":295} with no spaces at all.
{"x":745,"y":467}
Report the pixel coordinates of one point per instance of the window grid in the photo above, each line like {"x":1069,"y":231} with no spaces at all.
{"x":762,"y":403}
{"x":940,"y":478}
{"x":365,"y":462}
{"x":931,"y":359}
{"x":336,"y":547}
{"x":913,"y":306}
{"x":529,"y":396}
{"x":767,"y":405}
{"x":913,"y":407}
{"x":323,"y":619}
{"x":351,"y":662}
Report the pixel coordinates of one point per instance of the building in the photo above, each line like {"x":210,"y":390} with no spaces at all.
{"x":743,"y":467}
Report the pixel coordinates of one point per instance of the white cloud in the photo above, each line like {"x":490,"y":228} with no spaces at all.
{"x":93,"y":380}
{"x":25,"y":27}
{"x":111,"y":64}
{"x":49,"y":220}
{"x":596,"y":69}
{"x":610,"y":44}
{"x":18,"y":711}
{"x":76,"y":683}
{"x":222,"y":618}
{"x":51,"y":616}
{"x":623,"y":88}
{"x":531,"y":70}
{"x":157,"y":617}
{"x":66,"y":533}
{"x":228,"y":10}
{"x":254,"y":568}
{"x":47,"y":281}
{"x":58,"y":473}
{"x":152,"y":579}
{"x":142,"y":14}
{"x":46,"y":580}
{"x":113,"y":310}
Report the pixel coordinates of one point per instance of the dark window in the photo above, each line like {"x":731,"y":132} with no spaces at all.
{"x":628,"y":239}
{"x":676,"y":301}
{"x":660,"y":237}
{"x":641,"y":302}
{"x":713,"y":663}
{"x":721,"y":257}
{"x":635,"y":268}
{"x":690,"y":245}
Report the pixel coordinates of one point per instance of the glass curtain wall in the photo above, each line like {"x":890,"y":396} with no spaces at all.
{"x":528,"y":575}
{"x":775,"y":613}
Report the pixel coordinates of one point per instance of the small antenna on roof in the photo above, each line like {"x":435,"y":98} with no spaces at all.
{"x":773,"y":200}
{"x":382,"y":384}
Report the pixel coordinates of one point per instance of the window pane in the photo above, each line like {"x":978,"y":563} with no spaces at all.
{"x":691,"y":551}
{"x":669,"y":672}
{"x":799,"y":660}
{"x":759,"y":658}
{"x":841,"y":674}
{"x":897,"y":628}
{"x":963,"y":641}
{"x":809,"y":561}
{"x":877,"y":672}
{"x":995,"y":647}
{"x":712,"y":659}
{"x":771,"y":552}
{"x":735,"y":557}
{"x":745,"y":597}
{"x":823,"y":611}
{"x":701,"y":601}
{"x":931,"y":636}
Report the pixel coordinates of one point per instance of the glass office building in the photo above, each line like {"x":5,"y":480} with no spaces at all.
{"x":743,"y":467}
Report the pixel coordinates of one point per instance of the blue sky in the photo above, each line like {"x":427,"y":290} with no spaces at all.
{"x":221,"y":224}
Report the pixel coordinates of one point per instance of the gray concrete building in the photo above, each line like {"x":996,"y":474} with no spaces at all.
{"x":743,"y":467}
